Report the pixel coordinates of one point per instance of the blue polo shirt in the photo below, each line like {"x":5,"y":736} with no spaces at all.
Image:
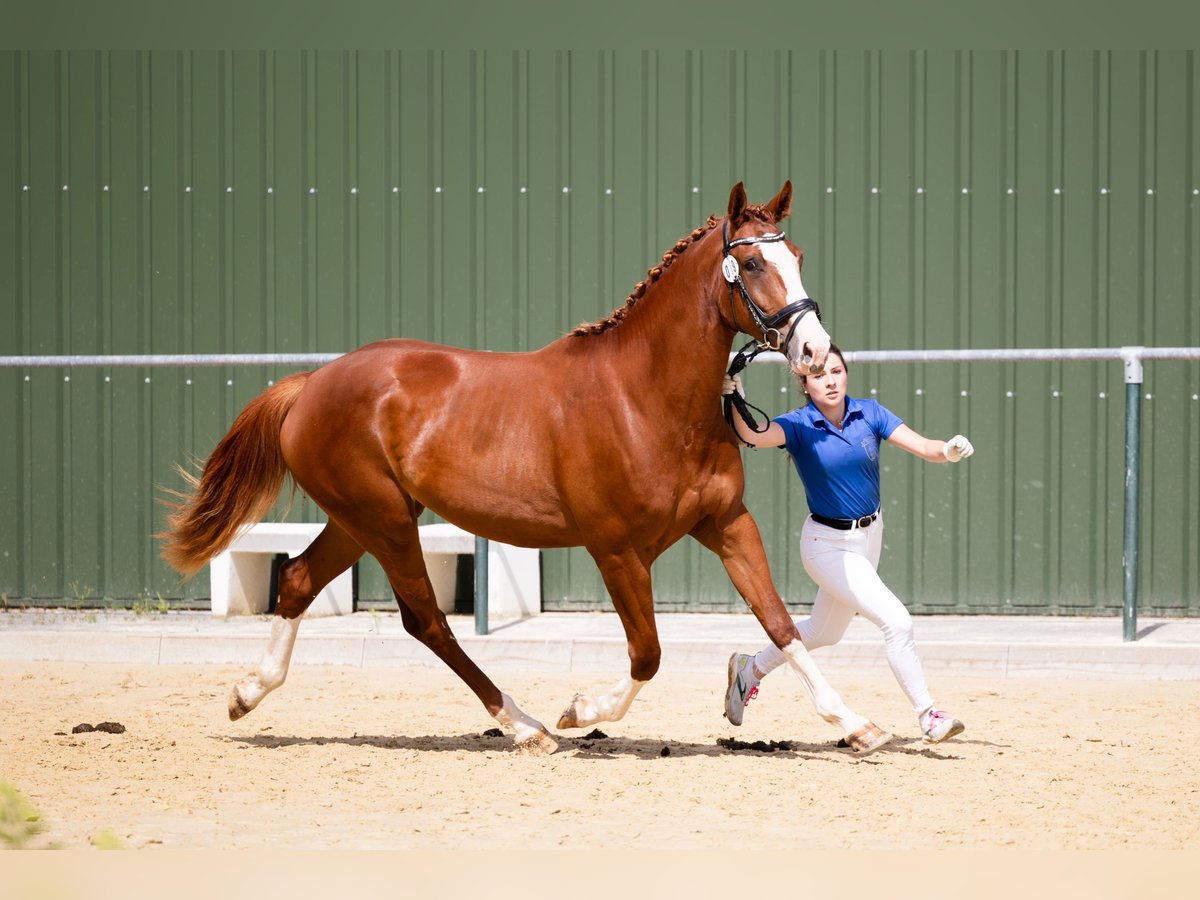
{"x":840,"y":469}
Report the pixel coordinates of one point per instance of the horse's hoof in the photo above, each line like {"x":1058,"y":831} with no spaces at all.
{"x":237,"y":706}
{"x":867,"y":739}
{"x":570,"y":716}
{"x":540,"y":743}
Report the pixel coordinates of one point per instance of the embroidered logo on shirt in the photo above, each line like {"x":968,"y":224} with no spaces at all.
{"x":872,"y":451}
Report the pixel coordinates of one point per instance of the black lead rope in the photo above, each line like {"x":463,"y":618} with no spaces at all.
{"x":734,"y":400}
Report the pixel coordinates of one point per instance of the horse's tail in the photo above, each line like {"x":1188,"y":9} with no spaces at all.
{"x":240,"y":481}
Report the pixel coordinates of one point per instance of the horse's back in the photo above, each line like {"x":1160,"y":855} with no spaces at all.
{"x":463,"y":432}
{"x":550,"y":448}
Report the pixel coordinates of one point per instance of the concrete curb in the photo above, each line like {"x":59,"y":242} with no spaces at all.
{"x":991,"y":647}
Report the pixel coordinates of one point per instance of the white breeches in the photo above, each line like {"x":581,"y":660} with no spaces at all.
{"x":843,"y":565}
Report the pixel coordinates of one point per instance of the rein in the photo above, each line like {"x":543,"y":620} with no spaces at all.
{"x":767,"y":324}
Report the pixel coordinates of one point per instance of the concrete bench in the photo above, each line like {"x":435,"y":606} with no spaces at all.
{"x":241,"y":575}
{"x":514,"y":573}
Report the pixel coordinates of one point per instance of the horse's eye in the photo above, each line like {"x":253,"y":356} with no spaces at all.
{"x":752,"y":265}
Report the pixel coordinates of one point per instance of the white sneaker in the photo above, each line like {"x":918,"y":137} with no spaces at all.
{"x":742,"y":687}
{"x":939,"y":727}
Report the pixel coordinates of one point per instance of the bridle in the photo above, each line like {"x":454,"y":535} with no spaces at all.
{"x":768,"y":324}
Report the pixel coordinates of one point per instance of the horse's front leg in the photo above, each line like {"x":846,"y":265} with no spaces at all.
{"x":739,"y":545}
{"x":627,"y":578}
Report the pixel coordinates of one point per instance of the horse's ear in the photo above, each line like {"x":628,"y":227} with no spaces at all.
{"x":737,"y":203}
{"x":781,"y":205}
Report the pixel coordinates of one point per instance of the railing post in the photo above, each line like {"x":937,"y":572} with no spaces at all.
{"x":481,"y":585}
{"x":1133,"y":408}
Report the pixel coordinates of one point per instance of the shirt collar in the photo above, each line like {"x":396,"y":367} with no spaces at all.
{"x":853,"y":409}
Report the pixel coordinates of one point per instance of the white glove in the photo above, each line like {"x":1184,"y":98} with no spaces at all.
{"x":734,"y":384}
{"x":957,"y":448}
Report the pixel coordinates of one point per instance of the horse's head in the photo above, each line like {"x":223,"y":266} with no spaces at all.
{"x":762,"y":269}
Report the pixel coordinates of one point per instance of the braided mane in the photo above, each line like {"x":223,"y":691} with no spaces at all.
{"x":614,"y":318}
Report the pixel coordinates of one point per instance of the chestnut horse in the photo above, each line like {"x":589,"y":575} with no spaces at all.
{"x":611,"y":438}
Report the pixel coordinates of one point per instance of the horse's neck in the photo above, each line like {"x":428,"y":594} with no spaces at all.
{"x":674,"y":337}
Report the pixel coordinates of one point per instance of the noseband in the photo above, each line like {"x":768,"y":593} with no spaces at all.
{"x":768,"y":324}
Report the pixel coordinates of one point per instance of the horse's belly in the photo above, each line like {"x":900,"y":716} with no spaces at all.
{"x":496,"y":500}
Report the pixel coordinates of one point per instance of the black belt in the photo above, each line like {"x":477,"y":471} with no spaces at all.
{"x":846,"y":524}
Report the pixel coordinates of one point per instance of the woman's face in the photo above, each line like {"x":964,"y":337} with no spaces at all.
{"x":828,"y":390}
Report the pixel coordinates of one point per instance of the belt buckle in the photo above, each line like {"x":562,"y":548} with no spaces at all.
{"x":864,"y":521}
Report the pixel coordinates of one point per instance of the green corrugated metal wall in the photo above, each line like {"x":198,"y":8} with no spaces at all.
{"x":209,"y":202}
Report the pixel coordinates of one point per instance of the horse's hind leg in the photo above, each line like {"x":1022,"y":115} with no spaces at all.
{"x":428,"y":625}
{"x":404,"y":564}
{"x":627,"y":578}
{"x":300,"y":580}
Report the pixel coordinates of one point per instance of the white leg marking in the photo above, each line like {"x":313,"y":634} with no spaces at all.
{"x":826,"y":700}
{"x":528,"y":732}
{"x":613,"y":705}
{"x":511,"y":717}
{"x":609,"y":707}
{"x":272,"y":670}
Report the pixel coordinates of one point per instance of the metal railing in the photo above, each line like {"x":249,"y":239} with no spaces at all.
{"x":1131,"y":358}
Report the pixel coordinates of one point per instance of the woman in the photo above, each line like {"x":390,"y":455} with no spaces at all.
{"x":834,"y":443}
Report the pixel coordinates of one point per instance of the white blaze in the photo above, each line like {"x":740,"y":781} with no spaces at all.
{"x":809,"y":331}
{"x":788,"y":268}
